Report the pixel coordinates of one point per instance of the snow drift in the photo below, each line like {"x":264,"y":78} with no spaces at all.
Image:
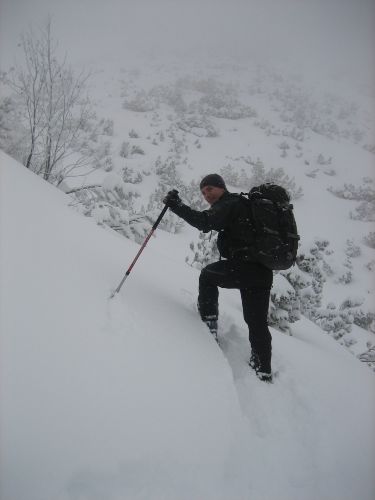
{"x":130,"y":398}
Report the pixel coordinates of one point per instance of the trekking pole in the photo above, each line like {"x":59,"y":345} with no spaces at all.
{"x":157,"y":222}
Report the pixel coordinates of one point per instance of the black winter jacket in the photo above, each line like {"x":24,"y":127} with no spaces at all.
{"x":223,"y":216}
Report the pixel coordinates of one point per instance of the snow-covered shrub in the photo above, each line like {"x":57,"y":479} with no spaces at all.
{"x":364,"y":212}
{"x":108,"y":164}
{"x":133,"y":134}
{"x":346,"y":276}
{"x":193,"y":196}
{"x":124,"y":149}
{"x":166,"y":170}
{"x":284,"y":146}
{"x":351,"y":192}
{"x":311,"y":263}
{"x":107,"y":126}
{"x":368,"y":356}
{"x":233,"y":178}
{"x":137,"y":150}
{"x":170,"y":95}
{"x":364,"y":319}
{"x":336,"y":322}
{"x":203,"y":251}
{"x":198,"y":125}
{"x":178,"y":144}
{"x":259,"y":175}
{"x":223,"y":104}
{"x":352,"y":250}
{"x":12,"y":131}
{"x":321,"y":160}
{"x":295,"y":133}
{"x":112,"y":205}
{"x":169,"y":179}
{"x":369,"y":240}
{"x":276,"y":175}
{"x":370,"y":148}
{"x":329,"y":171}
{"x":284,"y":305}
{"x":365,"y":194}
{"x":101,"y":154}
{"x":141,"y":102}
{"x":128,"y":175}
{"x":170,"y":222}
{"x":307,"y":291}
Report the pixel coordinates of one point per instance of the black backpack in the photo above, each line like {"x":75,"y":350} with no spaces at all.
{"x":267,"y":224}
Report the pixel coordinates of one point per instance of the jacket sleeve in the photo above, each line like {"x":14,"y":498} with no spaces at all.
{"x":213,"y":219}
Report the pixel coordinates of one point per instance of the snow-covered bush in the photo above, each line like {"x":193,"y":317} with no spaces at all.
{"x":223,"y":104}
{"x":141,"y":102}
{"x":137,"y":150}
{"x":336,"y":322}
{"x":351,"y":192}
{"x":170,"y":222}
{"x":170,"y":95}
{"x":12,"y":131}
{"x":364,"y":212}
{"x":233,"y":178}
{"x":352,"y":250}
{"x":259,"y":175}
{"x":276,"y":175}
{"x":169,"y":179}
{"x":203,"y":251}
{"x":307,"y":291}
{"x":364,"y":319}
{"x":346,"y":275}
{"x":166,"y":170}
{"x":198,"y":125}
{"x":128,"y":175}
{"x":193,"y":196}
{"x":369,"y":240}
{"x":284,"y":305}
{"x":368,"y":356}
{"x":124,"y":149}
{"x":309,"y":275}
{"x":112,"y":205}
{"x":107,"y":126}
{"x":133,"y":134}
{"x":370,"y":148}
{"x":321,"y":160}
{"x":365,"y":194}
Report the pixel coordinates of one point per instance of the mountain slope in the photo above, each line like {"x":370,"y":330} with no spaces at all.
{"x":131,"y":398}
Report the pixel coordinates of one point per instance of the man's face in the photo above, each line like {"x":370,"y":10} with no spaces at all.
{"x":212,"y":193}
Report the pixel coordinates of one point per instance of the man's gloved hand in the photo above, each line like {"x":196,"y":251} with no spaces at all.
{"x":172,"y":199}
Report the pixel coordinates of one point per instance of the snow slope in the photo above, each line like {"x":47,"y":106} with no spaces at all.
{"x":130,"y":398}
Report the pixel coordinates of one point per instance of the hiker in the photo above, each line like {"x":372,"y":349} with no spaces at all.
{"x":238,"y":270}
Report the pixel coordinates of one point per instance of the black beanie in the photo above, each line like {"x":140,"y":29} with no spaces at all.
{"x":214,"y":180}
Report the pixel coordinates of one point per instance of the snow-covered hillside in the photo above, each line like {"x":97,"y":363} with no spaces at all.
{"x":130,"y":398}
{"x":166,"y":124}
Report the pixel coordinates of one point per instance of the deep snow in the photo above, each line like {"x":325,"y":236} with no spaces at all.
{"x":130,"y":398}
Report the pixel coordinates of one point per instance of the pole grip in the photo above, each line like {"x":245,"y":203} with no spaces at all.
{"x":158,"y":220}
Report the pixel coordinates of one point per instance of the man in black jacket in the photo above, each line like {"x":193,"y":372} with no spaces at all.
{"x":239,"y":270}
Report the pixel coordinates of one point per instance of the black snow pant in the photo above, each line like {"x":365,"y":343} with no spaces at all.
{"x":254,"y":282}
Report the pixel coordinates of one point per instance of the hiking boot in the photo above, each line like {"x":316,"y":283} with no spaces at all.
{"x":263,"y":370}
{"x":212,"y":326}
{"x":254,"y":361}
{"x":264,"y":376}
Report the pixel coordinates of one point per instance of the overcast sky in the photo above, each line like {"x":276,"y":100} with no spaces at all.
{"x":325,"y":33}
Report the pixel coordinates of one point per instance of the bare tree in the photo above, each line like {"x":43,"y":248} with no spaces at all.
{"x":56,"y":109}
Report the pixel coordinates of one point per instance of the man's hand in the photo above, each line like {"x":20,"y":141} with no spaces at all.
{"x":172,"y":199}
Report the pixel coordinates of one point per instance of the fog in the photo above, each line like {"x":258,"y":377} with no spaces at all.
{"x":322,"y":35}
